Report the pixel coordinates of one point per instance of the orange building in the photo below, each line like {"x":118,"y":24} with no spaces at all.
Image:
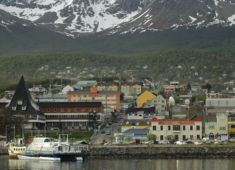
{"x":110,"y":99}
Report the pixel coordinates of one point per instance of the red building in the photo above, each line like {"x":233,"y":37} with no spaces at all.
{"x":72,"y":115}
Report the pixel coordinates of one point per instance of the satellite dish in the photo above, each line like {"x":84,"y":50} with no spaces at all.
{"x":171,"y":101}
{"x":187,"y":102}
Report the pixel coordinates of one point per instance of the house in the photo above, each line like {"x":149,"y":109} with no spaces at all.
{"x":135,"y":124}
{"x":24,"y":106}
{"x":81,"y":85}
{"x":131,"y":89}
{"x":228,"y":103}
{"x":110,"y":99}
{"x":217,"y":127}
{"x":138,"y":135}
{"x":37,"y":90}
{"x":72,"y":115}
{"x":145,"y":97}
{"x":101,"y":86}
{"x":159,"y":103}
{"x":169,"y":89}
{"x":176,"y":129}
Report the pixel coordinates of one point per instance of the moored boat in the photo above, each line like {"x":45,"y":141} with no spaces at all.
{"x":44,"y":148}
{"x":16,"y":148}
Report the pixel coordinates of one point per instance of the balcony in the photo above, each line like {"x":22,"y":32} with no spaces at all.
{"x":231,"y":130}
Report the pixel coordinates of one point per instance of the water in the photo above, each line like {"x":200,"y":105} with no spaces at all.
{"x":132,"y":164}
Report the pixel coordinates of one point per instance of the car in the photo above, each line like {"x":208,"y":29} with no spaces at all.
{"x":180,"y":143}
{"x":164,"y":142}
{"x":198,"y":143}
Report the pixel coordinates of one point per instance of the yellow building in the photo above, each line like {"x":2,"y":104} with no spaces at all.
{"x":231,"y":123}
{"x":144,"y":97}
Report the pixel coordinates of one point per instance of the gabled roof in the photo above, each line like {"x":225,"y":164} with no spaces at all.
{"x":22,"y":100}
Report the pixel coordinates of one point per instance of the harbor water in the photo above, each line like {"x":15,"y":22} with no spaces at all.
{"x":116,"y":164}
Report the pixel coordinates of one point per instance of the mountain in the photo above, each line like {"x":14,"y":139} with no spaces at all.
{"x":76,"y":17}
{"x":22,"y":36}
{"x":172,"y":14}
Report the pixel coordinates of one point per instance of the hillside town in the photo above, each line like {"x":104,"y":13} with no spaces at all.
{"x":121,"y":112}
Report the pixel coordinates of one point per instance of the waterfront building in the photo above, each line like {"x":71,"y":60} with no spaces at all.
{"x":177,"y":129}
{"x":110,"y":99}
{"x":145,"y":97}
{"x":135,"y":124}
{"x":231,"y":123}
{"x":72,"y":115}
{"x":217,"y":127}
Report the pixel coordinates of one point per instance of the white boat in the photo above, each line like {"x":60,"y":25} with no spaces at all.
{"x":16,"y":148}
{"x":45,"y":148}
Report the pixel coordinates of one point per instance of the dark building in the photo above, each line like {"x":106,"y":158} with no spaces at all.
{"x":23,"y":105}
{"x":72,"y":115}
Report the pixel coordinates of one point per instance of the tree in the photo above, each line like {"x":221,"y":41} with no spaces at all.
{"x":152,"y":137}
{"x":189,"y":87}
{"x":207,"y":86}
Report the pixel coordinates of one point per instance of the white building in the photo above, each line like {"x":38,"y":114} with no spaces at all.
{"x":220,"y":102}
{"x":217,"y":128}
{"x":159,"y":103}
{"x":177,"y":129}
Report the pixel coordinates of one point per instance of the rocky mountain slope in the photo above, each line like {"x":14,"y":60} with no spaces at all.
{"x":73,"y":17}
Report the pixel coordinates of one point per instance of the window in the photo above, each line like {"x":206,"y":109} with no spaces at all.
{"x":198,"y":136}
{"x":161,"y":127}
{"x":154,"y":128}
{"x":183,"y":127}
{"x":176,"y":137}
{"x":198,"y":127}
{"x":169,"y":127}
{"x":176,"y":127}
{"x":211,"y":127}
{"x":161,"y":137}
{"x":191,"y":136}
{"x":184,"y":137}
{"x":19,"y":102}
{"x":222,"y":128}
{"x":191,"y":127}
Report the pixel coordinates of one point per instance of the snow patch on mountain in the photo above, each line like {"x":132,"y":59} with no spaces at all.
{"x":232,"y":19}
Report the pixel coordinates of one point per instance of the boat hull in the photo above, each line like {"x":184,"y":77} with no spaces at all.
{"x":67,"y":156}
{"x":14,"y":151}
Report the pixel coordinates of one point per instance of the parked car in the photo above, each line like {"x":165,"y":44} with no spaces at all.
{"x":180,"y":143}
{"x":198,"y":143}
{"x":164,"y":142}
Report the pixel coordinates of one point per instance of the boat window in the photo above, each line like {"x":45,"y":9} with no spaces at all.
{"x":47,"y":140}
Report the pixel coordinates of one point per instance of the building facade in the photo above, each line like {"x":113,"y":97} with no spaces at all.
{"x":217,"y":128}
{"x":176,"y":129}
{"x":110,"y":100}
{"x":72,"y":115}
{"x":145,"y":97}
{"x":131,"y":89}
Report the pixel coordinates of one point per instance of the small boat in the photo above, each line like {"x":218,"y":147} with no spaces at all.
{"x":45,"y":148}
{"x":16,"y":148}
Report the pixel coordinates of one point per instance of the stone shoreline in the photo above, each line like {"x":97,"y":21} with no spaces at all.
{"x":160,"y":152}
